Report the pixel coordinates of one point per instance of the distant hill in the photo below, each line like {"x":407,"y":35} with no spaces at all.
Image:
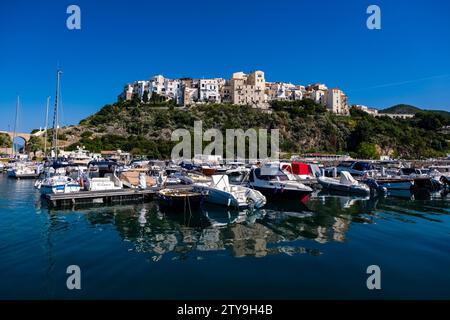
{"x":406,"y":108}
{"x":401,"y":109}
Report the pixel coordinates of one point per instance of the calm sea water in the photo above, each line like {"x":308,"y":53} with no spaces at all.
{"x":319,"y":249}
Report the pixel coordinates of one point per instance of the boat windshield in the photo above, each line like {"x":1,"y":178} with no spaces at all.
{"x":276,"y":176}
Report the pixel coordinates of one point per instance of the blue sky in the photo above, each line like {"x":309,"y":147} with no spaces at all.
{"x":407,"y":61}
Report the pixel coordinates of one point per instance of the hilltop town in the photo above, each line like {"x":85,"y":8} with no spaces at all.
{"x":250,"y":89}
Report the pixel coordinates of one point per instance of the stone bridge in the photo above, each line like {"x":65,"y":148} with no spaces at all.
{"x":24,"y":136}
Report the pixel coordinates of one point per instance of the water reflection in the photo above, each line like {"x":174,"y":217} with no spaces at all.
{"x":287,"y":227}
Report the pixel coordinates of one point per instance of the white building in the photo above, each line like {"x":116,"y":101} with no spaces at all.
{"x":371,"y":111}
{"x":157,"y":85}
{"x":139,"y":87}
{"x":173,"y":90}
{"x":282,"y":91}
{"x":336,"y":101}
{"x":209,"y":90}
{"x":317,"y":92}
{"x":127,"y":93}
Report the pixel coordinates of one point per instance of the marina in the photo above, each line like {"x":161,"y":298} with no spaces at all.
{"x":224,"y":159}
{"x":316,"y":248}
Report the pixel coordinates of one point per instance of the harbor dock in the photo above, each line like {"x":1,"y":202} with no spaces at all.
{"x":105,"y":197}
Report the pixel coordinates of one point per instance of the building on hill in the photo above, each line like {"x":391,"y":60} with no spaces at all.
{"x":249,"y":89}
{"x":371,"y":111}
{"x":283,"y":91}
{"x":317,"y":92}
{"x":396,"y":115}
{"x":337,"y":102}
{"x":209,"y":90}
{"x":241,"y":89}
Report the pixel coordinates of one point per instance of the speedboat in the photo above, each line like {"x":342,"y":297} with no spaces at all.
{"x":58,"y":184}
{"x":237,"y":173}
{"x":24,"y":171}
{"x":346,"y":184}
{"x":273,"y":182}
{"x":355,"y":168}
{"x":104,"y":177}
{"x":219,"y":191}
{"x":303,"y":172}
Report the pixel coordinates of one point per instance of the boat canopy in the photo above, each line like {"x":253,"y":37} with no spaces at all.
{"x":221,"y":182}
{"x":300,"y":168}
{"x":347,"y":179}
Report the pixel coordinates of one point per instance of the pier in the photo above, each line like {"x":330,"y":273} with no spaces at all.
{"x":105,"y":197}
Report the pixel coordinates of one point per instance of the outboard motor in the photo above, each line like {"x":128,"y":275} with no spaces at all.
{"x":373,"y":185}
{"x":445,"y":181}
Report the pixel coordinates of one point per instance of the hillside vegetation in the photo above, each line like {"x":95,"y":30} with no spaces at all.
{"x":304,"y":127}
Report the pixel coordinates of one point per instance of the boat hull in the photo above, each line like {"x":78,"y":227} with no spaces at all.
{"x":52,"y":189}
{"x":344,"y":188}
{"x":395,"y":184}
{"x":187,"y":202}
{"x":282,"y":193}
{"x":222,"y":198}
{"x":26,"y":176}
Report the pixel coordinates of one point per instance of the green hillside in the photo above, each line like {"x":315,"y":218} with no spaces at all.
{"x":401,"y":109}
{"x":409,"y":109}
{"x":304,"y":127}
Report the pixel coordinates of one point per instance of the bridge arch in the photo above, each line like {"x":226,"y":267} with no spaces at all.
{"x":24,"y":136}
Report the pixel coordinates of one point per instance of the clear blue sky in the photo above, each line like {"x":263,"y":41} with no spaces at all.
{"x":407,"y":61}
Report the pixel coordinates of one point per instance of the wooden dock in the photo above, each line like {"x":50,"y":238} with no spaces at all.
{"x":105,"y":197}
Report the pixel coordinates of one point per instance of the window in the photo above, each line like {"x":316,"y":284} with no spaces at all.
{"x":280,"y":175}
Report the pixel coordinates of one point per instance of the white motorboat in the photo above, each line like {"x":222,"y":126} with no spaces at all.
{"x":102,"y":184}
{"x":356,"y":168}
{"x":238,"y":174}
{"x":22,"y":170}
{"x":220,"y":192}
{"x":107,"y":178}
{"x":58,"y":184}
{"x":346,"y":184}
{"x":80,"y":157}
{"x":273,"y":182}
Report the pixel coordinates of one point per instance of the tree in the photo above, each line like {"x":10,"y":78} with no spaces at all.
{"x":5,"y":141}
{"x":135,"y":98}
{"x":156,"y":98}
{"x":367,"y":151}
{"x":429,"y":121}
{"x":35,"y":144}
{"x":145,"y":96}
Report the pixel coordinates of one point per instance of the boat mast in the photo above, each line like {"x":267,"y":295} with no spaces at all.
{"x":55,"y":115}
{"x":15,"y":126}
{"x":46,"y":127}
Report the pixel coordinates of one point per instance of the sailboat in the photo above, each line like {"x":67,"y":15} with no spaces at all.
{"x":59,"y":182}
{"x":21,"y":169}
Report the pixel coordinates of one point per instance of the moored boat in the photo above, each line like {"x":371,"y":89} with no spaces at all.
{"x":345,"y":184}
{"x":220,"y":192}
{"x":273,"y":182}
{"x":395,"y":183}
{"x":58,"y":184}
{"x":179,"y":199}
